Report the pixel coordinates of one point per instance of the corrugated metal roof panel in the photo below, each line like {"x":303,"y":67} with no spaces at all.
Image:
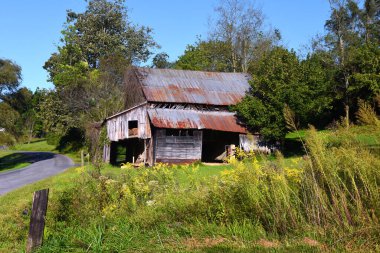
{"x":196,"y":87}
{"x":191,"y":119}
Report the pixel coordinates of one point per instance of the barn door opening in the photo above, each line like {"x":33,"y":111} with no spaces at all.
{"x":214,"y":145}
{"x":129,"y":150}
{"x":134,"y":150}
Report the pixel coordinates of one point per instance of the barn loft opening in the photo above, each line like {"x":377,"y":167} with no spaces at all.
{"x":133,"y":128}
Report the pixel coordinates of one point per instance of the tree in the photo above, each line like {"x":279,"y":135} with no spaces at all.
{"x":20,"y":100}
{"x":87,"y":70}
{"x":9,"y":119}
{"x":10,"y":76}
{"x":211,"y":55}
{"x":161,"y":61}
{"x":102,"y":31}
{"x":371,"y":21}
{"x":363,"y":67}
{"x":241,"y":26}
{"x":280,"y":79}
{"x":350,"y":30}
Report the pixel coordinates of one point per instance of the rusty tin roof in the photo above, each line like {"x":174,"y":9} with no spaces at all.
{"x":194,"y":87}
{"x":192,"y":119}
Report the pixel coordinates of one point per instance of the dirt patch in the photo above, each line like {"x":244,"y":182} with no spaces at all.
{"x":268,"y":244}
{"x":213,"y":164}
{"x":310,"y":242}
{"x":192,"y":243}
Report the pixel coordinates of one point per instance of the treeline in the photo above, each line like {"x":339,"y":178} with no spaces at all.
{"x":341,"y":67}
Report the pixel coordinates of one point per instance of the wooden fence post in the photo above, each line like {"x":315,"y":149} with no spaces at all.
{"x":37,"y":220}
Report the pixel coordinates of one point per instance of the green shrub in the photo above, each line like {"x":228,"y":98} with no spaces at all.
{"x":52,"y":138}
{"x":7,"y":139}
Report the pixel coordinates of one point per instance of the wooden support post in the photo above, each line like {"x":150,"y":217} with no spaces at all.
{"x":82,"y":158}
{"x":37,"y":220}
{"x":106,"y":153}
{"x":145,"y":151}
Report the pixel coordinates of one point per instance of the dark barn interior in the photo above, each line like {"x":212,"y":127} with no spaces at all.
{"x":214,"y":144}
{"x":128,"y":150}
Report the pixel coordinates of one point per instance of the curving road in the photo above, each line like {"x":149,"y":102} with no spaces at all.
{"x":45,"y":164}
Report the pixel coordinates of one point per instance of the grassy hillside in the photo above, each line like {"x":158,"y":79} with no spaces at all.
{"x":35,"y":145}
{"x":43,"y":146}
{"x":10,"y":159}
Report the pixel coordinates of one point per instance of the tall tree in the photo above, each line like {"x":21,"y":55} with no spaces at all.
{"x":371,"y":20}
{"x":102,"y":31}
{"x":87,"y":69}
{"x":10,"y":76}
{"x":280,"y":79}
{"x":351,"y":31}
{"x":241,"y":26}
{"x":211,"y":55}
{"x":161,"y":61}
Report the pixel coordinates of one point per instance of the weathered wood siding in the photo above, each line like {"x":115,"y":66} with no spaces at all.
{"x":177,"y":149}
{"x":117,"y":127}
{"x":133,"y":90}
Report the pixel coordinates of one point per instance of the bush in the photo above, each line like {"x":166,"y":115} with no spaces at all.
{"x":52,"y":139}
{"x":73,"y":140}
{"x":7,"y":139}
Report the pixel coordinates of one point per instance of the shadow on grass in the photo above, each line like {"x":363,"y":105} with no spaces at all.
{"x":16,"y":159}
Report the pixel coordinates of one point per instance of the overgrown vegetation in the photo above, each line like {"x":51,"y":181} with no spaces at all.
{"x":328,"y":200}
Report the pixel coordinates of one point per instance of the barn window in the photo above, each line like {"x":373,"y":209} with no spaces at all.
{"x":172,"y":132}
{"x":176,"y":132}
{"x":132,"y":128}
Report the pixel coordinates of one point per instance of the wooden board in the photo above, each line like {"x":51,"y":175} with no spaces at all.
{"x":117,"y":127}
{"x":177,"y":148}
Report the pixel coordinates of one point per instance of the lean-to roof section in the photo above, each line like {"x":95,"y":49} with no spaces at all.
{"x":192,"y":119}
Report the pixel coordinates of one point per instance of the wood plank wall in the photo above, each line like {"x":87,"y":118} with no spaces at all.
{"x":177,"y":149}
{"x":117,"y":127}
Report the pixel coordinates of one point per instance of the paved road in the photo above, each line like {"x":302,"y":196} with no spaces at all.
{"x":46,"y":164}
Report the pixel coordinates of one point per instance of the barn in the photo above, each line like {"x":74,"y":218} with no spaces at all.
{"x":177,"y":116}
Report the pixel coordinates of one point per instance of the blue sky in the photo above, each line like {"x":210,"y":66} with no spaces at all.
{"x":30,"y":30}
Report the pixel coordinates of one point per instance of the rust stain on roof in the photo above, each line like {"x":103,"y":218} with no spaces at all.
{"x":195,"y":87}
{"x":191,"y":119}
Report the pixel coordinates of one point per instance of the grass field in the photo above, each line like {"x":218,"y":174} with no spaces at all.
{"x":35,"y":145}
{"x":197,"y":237}
{"x":13,"y":222}
{"x":263,"y":206}
{"x":43,"y":146}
